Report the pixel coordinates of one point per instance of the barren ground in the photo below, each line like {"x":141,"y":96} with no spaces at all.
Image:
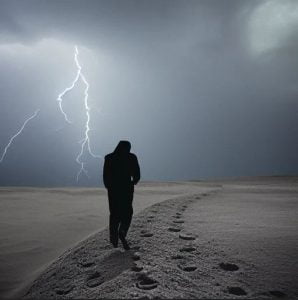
{"x":232,"y":239}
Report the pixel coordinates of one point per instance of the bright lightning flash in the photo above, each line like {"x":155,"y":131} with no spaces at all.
{"x":61,"y":95}
{"x":18,"y":133}
{"x":85,"y":142}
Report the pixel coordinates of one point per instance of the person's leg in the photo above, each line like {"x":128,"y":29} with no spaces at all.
{"x":125,"y":219}
{"x":114,"y":227}
{"x":114,"y":221}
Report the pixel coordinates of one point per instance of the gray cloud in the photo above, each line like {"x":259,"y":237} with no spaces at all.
{"x":181,"y":79}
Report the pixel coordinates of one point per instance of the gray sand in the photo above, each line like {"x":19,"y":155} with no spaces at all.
{"x":39,"y":224}
{"x":234,"y":239}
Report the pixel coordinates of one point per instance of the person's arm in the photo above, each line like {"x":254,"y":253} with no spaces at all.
{"x":136,"y":171}
{"x":107,"y":173}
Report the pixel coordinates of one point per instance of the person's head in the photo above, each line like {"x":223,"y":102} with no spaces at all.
{"x":123,"y":147}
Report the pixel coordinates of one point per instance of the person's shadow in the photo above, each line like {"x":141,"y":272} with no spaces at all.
{"x":110,"y":266}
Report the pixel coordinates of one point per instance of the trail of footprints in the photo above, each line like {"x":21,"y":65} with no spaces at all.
{"x":95,"y":278}
{"x":177,"y":222}
{"x":145,"y":282}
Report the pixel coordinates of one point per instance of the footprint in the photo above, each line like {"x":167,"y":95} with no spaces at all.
{"x":87,"y":264}
{"x":177,"y":257}
{"x":151,"y":217}
{"x":94,"y":280}
{"x":147,"y":234}
{"x":186,"y":237}
{"x":189,"y":268}
{"x":136,"y":247}
{"x":136,"y":256}
{"x":64,"y":291}
{"x":178,"y":214}
{"x":177,"y":217}
{"x":136,"y":268}
{"x":278,"y":294}
{"x":236,"y":290}
{"x":178,"y":221}
{"x":229,"y":267}
{"x":146,"y":283}
{"x":187,"y":249}
{"x":173,"y":229}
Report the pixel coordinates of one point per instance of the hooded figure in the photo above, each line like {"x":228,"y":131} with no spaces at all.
{"x":120,"y":173}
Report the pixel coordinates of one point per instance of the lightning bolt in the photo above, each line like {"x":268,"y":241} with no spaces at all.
{"x":18,"y":133}
{"x":85,"y":142}
{"x":61,"y":95}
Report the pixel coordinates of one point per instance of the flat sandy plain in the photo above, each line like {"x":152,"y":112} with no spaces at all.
{"x":217,"y":239}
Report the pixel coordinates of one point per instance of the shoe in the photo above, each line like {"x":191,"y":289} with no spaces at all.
{"x":114,"y":242}
{"x":124,"y":241}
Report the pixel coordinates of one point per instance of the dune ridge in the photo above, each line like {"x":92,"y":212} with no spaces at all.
{"x":93,"y":269}
{"x":191,"y":246}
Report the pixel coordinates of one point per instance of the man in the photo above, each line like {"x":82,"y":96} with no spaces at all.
{"x":121,"y":172}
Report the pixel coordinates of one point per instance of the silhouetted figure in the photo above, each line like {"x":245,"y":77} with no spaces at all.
{"x":120,"y":173}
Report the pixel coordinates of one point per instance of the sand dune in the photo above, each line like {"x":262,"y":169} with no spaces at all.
{"x":39,"y":224}
{"x":220,"y":240}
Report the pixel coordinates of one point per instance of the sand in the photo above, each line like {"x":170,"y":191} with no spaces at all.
{"x":39,"y":224}
{"x":222,"y":239}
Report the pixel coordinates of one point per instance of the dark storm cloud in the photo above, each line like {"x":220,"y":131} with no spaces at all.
{"x":202,"y":88}
{"x":124,"y":23}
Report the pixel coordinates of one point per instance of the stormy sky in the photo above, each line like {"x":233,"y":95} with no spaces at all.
{"x":202,"y":89}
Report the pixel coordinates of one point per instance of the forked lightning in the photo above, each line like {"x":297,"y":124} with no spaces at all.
{"x":85,"y":142}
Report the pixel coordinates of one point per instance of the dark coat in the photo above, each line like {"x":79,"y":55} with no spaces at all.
{"x":121,"y":171}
